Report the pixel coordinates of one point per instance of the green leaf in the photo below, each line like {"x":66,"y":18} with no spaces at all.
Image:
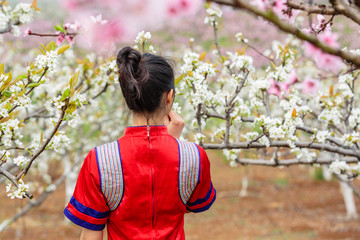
{"x":63,"y":49}
{"x":43,"y":52}
{"x":33,"y":84}
{"x":21,"y":77}
{"x":44,"y":47}
{"x":178,"y":79}
{"x":2,"y":68}
{"x":71,"y":107}
{"x":73,"y":82}
{"x":51,"y":46}
{"x":7,"y":94}
{"x":65,"y":94}
{"x":60,"y":28}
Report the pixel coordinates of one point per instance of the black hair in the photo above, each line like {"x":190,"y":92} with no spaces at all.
{"x":143,"y":79}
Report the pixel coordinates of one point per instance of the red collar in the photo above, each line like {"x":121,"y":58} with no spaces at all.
{"x":154,"y":130}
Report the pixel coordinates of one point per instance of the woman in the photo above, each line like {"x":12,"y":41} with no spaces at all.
{"x":141,"y":185}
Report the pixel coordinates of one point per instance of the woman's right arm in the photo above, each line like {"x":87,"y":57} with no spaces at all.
{"x":174,"y":123}
{"x":87,"y":234}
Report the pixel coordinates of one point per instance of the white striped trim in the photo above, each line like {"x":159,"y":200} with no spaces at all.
{"x":111,"y":173}
{"x":189,"y":169}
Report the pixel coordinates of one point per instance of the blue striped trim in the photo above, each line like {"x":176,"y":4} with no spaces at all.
{"x":202,"y":200}
{"x":86,"y":210}
{"x":82,"y":223}
{"x":189,"y":168}
{"x":111,"y":173}
{"x":205,"y":207}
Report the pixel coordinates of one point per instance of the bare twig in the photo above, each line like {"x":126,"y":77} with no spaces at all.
{"x":284,"y":144}
{"x":61,"y":118}
{"x":39,"y":200}
{"x":51,"y":34}
{"x":289,"y":162}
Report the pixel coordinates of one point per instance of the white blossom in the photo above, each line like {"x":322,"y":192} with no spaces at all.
{"x":350,"y":139}
{"x":17,"y":192}
{"x":212,"y":13}
{"x":332,"y":115}
{"x":338,"y":167}
{"x":354,"y":118}
{"x":152,"y":49}
{"x":231,"y":155}
{"x":249,"y":136}
{"x":240,"y":62}
{"x":321,"y":136}
{"x":49,"y":60}
{"x":345,"y":78}
{"x":21,"y":161}
{"x":142,"y":37}
{"x":264,"y":141}
{"x":198,"y":137}
{"x":98,"y":20}
{"x":304,"y":154}
{"x":176,"y":108}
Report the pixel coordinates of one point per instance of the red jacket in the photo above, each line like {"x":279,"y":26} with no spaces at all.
{"x":141,"y":186}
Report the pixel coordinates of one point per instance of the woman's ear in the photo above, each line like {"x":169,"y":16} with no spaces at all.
{"x":170,"y":97}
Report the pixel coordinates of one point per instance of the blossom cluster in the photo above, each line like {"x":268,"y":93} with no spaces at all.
{"x":50,"y":60}
{"x":17,"y":192}
{"x":341,"y":167}
{"x":11,"y":18}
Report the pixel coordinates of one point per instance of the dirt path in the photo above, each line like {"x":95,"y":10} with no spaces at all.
{"x":282,"y":204}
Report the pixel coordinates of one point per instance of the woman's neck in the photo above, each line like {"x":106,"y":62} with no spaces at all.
{"x":141,"y":120}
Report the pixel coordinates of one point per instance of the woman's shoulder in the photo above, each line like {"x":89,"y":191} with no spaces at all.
{"x":191,"y":146}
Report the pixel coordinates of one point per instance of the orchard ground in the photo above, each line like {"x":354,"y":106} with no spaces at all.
{"x":289,"y":203}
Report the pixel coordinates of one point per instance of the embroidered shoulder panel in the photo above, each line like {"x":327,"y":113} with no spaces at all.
{"x":111,"y":173}
{"x":189,"y":169}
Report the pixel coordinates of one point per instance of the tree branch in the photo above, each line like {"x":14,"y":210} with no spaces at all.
{"x":34,"y":203}
{"x":347,"y":10}
{"x":284,"y":144}
{"x":312,"y":8}
{"x":289,"y":28}
{"x":289,"y":162}
{"x":27,"y":167}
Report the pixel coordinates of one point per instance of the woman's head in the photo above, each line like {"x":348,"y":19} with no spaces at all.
{"x":144,"y":79}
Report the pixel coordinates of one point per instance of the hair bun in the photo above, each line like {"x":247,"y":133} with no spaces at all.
{"x":132,"y":73}
{"x":128,"y":56}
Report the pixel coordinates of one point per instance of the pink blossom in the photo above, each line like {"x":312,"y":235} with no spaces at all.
{"x":70,"y":40}
{"x":323,"y":60}
{"x":277,"y":88}
{"x":27,"y":32}
{"x":292,"y":78}
{"x":310,"y":86}
{"x":70,"y":4}
{"x":261,"y":4}
{"x":98,"y":20}
{"x":103,"y":37}
{"x":283,"y":12}
{"x":181,"y":7}
{"x":320,"y":25}
{"x":310,"y":50}
{"x":279,"y":7}
{"x":329,"y":38}
{"x":74,"y":26}
{"x":329,"y":62}
{"x":60,"y":39}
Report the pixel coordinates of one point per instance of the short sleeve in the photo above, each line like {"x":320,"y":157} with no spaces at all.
{"x":87,"y":207}
{"x":204,"y":194}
